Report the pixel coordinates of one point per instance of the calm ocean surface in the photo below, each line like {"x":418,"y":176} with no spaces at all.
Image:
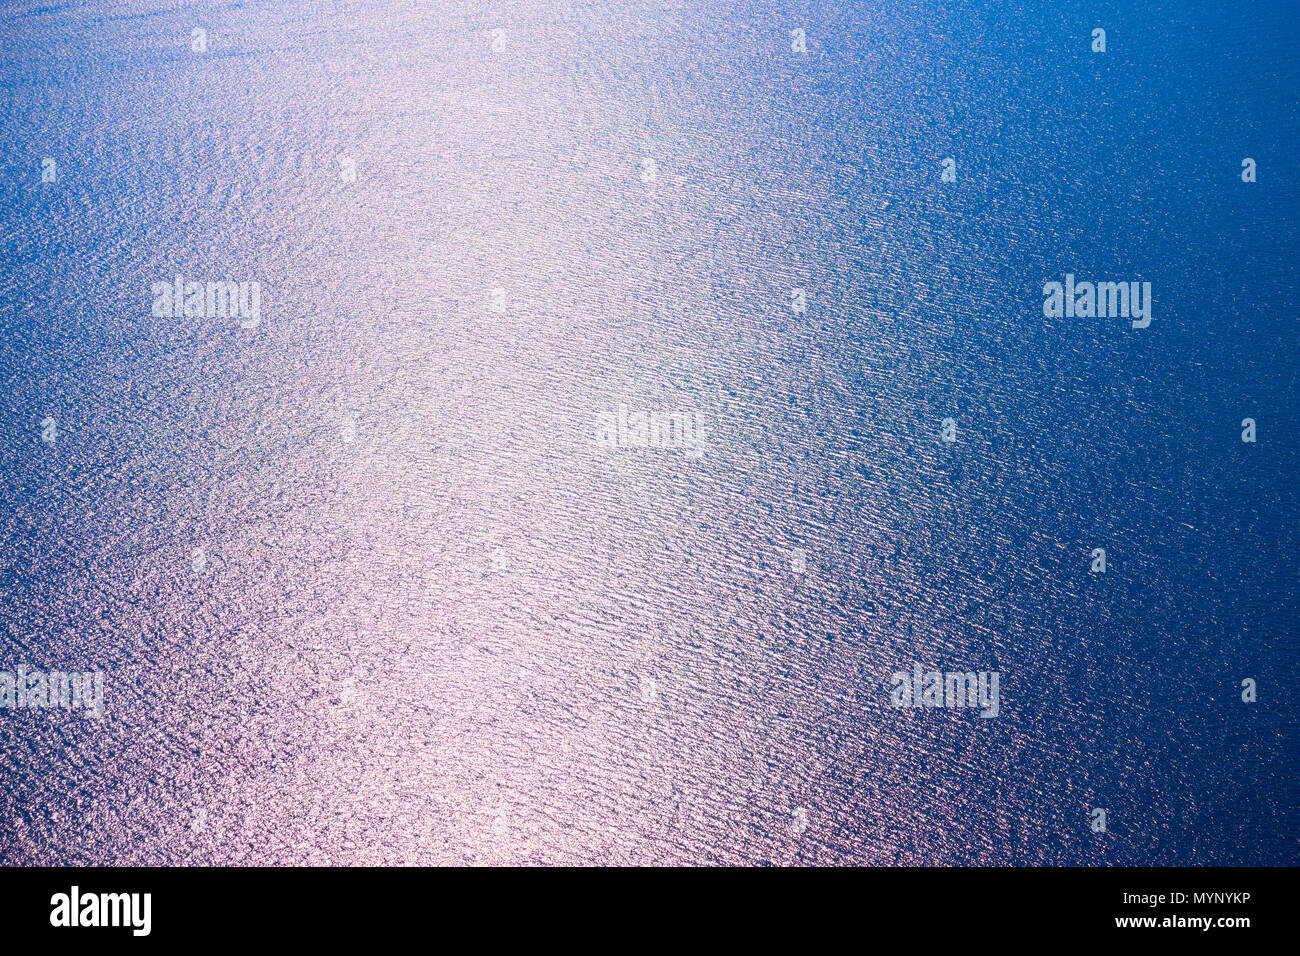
{"x":365,"y":588}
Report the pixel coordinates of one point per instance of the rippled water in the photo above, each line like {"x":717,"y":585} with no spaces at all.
{"x":363,"y":584}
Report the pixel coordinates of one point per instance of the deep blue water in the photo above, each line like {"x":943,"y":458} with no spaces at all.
{"x":364,"y":588}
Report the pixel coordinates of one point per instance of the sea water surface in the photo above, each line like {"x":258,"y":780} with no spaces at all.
{"x":365,"y":586}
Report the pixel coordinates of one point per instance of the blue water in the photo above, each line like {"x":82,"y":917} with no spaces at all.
{"x":364,"y":589}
